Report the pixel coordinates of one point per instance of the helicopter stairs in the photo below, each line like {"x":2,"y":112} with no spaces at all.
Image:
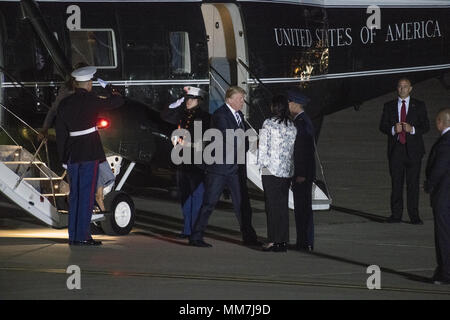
{"x":34,"y":187}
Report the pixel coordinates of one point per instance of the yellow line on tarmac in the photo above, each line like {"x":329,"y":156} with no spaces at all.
{"x":229,"y":279}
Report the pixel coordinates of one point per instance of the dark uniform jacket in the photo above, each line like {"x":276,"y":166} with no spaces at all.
{"x":416,"y":117}
{"x":183,"y":118}
{"x":437,"y":182}
{"x":304,"y":149}
{"x":77,"y":112}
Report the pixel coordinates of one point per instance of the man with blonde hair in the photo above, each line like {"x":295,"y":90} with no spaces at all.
{"x":231,"y":174}
{"x":438,"y":186}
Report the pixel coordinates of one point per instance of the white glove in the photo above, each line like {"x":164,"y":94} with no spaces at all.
{"x":103,"y":83}
{"x":177,"y":103}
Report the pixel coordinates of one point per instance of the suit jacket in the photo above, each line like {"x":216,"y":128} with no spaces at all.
{"x":304,"y":149}
{"x":437,"y":182}
{"x":223,"y":119}
{"x":416,"y":117}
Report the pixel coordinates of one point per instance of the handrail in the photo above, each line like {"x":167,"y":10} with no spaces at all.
{"x":247,"y":68}
{"x":18,"y":118}
{"x":14,"y":80}
{"x":223,"y":91}
{"x":30,"y":163}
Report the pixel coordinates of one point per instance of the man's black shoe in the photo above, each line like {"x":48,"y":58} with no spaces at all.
{"x":182,"y":236}
{"x":90,"y":242}
{"x":305,"y":248}
{"x":280,"y":247}
{"x":199,"y":243}
{"x":441,"y":282}
{"x":416,"y":221}
{"x":391,"y":219}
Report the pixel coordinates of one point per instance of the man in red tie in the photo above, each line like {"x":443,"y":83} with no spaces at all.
{"x":404,"y":121}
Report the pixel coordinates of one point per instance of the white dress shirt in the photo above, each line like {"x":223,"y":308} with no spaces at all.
{"x":399,"y":112}
{"x":445,"y":131}
{"x":235,"y":113}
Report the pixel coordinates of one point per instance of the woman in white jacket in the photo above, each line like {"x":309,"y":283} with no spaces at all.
{"x":276,"y":161}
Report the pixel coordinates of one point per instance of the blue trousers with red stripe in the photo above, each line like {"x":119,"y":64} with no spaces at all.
{"x":83,"y":181}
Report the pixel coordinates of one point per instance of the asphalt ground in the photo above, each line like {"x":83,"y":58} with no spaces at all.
{"x":151,"y":263}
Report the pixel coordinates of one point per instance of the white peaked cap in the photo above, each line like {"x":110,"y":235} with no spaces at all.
{"x":193,"y":91}
{"x":84,"y":74}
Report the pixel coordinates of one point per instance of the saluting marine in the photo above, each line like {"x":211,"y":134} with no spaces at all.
{"x":190,"y":176}
{"x":80,"y":150}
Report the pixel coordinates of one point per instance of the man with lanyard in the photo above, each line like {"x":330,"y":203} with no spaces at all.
{"x":80,"y":150}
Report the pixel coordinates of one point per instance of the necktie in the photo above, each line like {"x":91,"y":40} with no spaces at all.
{"x":238,"y":119}
{"x":402,"y":135}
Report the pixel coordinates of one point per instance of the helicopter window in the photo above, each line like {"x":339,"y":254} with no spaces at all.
{"x":95,"y":47}
{"x":180,"y":53}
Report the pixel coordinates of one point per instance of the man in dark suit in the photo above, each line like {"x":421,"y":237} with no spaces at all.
{"x":437,"y":185}
{"x":304,"y":171}
{"x":405,"y":121}
{"x":229,"y":173}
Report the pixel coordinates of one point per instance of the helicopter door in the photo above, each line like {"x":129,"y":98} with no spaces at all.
{"x":226,"y":44}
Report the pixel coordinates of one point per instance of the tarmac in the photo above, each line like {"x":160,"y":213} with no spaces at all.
{"x":151,"y":263}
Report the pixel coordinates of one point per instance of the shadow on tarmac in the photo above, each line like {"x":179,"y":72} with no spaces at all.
{"x":409,"y":276}
{"x":368,"y":216}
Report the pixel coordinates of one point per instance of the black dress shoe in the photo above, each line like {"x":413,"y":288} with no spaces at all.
{"x":280,"y":247}
{"x":267,"y":247}
{"x":417,"y":221}
{"x":305,"y":248}
{"x":199,"y":243}
{"x":441,"y":282}
{"x":182,"y":236}
{"x":90,"y":242}
{"x":392,"y":219}
{"x":275,"y":247}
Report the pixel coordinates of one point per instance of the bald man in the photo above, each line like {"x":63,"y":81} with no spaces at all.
{"x":405,"y":121}
{"x":438,"y":186}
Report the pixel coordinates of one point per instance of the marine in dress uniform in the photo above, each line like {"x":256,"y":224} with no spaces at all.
{"x":437,"y":185}
{"x":81,"y":150}
{"x":304,"y":171}
{"x":190,"y":176}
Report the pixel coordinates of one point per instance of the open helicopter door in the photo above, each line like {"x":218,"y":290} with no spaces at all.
{"x":226,"y":44}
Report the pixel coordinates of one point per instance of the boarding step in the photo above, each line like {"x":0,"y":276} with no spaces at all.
{"x":23,"y":162}
{"x":43,"y":178}
{"x":29,"y":183}
{"x":54,"y":194}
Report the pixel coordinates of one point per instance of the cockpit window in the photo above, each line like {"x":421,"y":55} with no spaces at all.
{"x":95,"y":47}
{"x":180,"y":53}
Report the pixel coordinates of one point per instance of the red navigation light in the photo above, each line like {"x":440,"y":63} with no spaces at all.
{"x":103,"y":123}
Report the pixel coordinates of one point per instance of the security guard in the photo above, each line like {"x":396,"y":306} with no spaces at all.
{"x":81,"y":151}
